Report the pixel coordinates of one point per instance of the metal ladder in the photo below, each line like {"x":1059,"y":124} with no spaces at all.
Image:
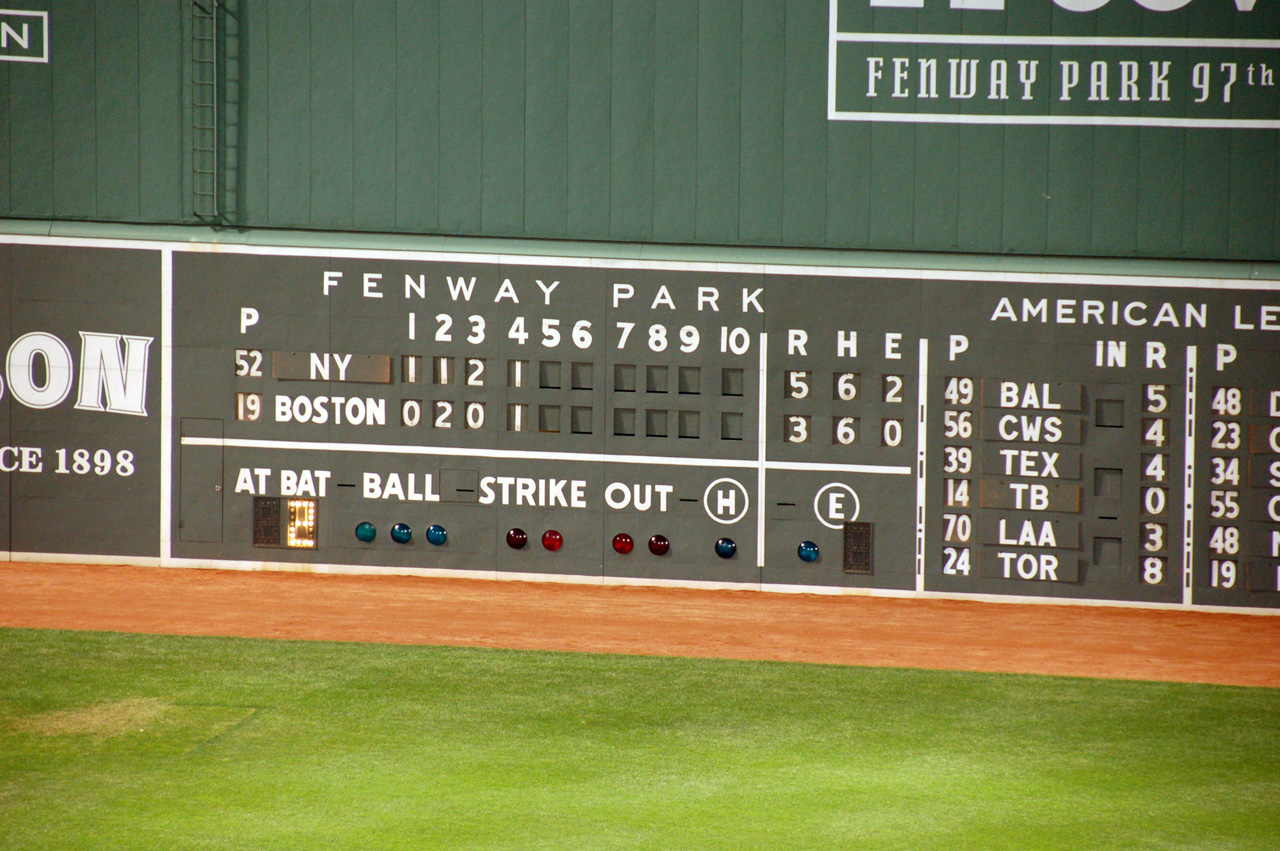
{"x":204,"y":109}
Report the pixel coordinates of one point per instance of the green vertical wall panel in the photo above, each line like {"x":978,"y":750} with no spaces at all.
{"x":460,"y":127}
{"x":764,"y":28}
{"x":1204,"y":223}
{"x":846,"y":150}
{"x":159,"y":152}
{"x":1206,"y":177}
{"x":502,"y":118}
{"x":846,"y":192}
{"x":1115,"y":177}
{"x":1023,"y":166}
{"x":117,"y":143}
{"x":719,"y":120}
{"x":1160,"y":201}
{"x":375,"y":132}
{"x":804,"y":182}
{"x":1115,"y":190}
{"x":417,"y":124}
{"x":332,"y":114}
{"x":75,"y":125}
{"x":1253,"y":204}
{"x":937,"y":154}
{"x":675,"y":110}
{"x":1158,"y":220}
{"x":546,"y":118}
{"x":1071,"y":154}
{"x":255,"y":114}
{"x":666,"y":120}
{"x":631,"y":169}
{"x":589,"y":192}
{"x":937,"y":185}
{"x":892,"y":186}
{"x":980,"y":188}
{"x":31,"y":140}
{"x":289,"y":163}
{"x":1070,"y":189}
{"x":1024,"y":202}
{"x":6,"y":108}
{"x":892,"y":176}
{"x":981,"y":179}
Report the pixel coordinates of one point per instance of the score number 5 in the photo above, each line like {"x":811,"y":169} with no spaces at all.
{"x":249,"y":363}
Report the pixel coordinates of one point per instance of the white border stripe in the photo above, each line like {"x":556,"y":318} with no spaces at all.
{"x":1049,"y":40}
{"x":166,"y":404}
{"x":832,"y":43}
{"x":1056,"y":120}
{"x":914,"y":273}
{"x":816,"y":467}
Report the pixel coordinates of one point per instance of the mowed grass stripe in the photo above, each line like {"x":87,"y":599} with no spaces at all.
{"x":133,"y":741}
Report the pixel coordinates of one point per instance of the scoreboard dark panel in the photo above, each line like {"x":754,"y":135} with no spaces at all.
{"x":1069,"y":437}
{"x":864,"y":430}
{"x":80,"y":464}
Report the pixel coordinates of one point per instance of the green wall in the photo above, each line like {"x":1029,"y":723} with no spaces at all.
{"x":627,"y":120}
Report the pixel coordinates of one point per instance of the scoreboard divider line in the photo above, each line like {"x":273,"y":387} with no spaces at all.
{"x":527,"y":455}
{"x":1189,"y":480}
{"x":922,"y":410}
{"x":761,"y":466}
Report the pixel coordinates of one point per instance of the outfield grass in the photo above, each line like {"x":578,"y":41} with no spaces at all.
{"x":127,"y":741}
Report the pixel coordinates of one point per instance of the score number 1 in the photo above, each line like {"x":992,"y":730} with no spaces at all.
{"x":248,"y":365}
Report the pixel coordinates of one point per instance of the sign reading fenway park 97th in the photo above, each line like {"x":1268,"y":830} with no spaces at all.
{"x":1146,"y":63}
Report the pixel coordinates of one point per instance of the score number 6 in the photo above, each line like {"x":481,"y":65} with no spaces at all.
{"x":957,"y":424}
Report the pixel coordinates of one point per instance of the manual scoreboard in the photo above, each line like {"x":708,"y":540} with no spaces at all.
{"x":1091,"y":437}
{"x":1096,"y":438}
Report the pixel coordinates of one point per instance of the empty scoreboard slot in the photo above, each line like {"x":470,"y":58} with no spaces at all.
{"x":1109,"y":413}
{"x":858,"y":547}
{"x":266,"y":521}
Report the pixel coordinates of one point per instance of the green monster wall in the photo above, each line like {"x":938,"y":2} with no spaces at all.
{"x":735,"y":122}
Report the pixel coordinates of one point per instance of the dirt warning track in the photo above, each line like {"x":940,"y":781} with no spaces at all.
{"x":1089,"y":641}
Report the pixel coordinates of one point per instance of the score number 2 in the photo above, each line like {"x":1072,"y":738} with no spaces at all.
{"x":249,"y":363}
